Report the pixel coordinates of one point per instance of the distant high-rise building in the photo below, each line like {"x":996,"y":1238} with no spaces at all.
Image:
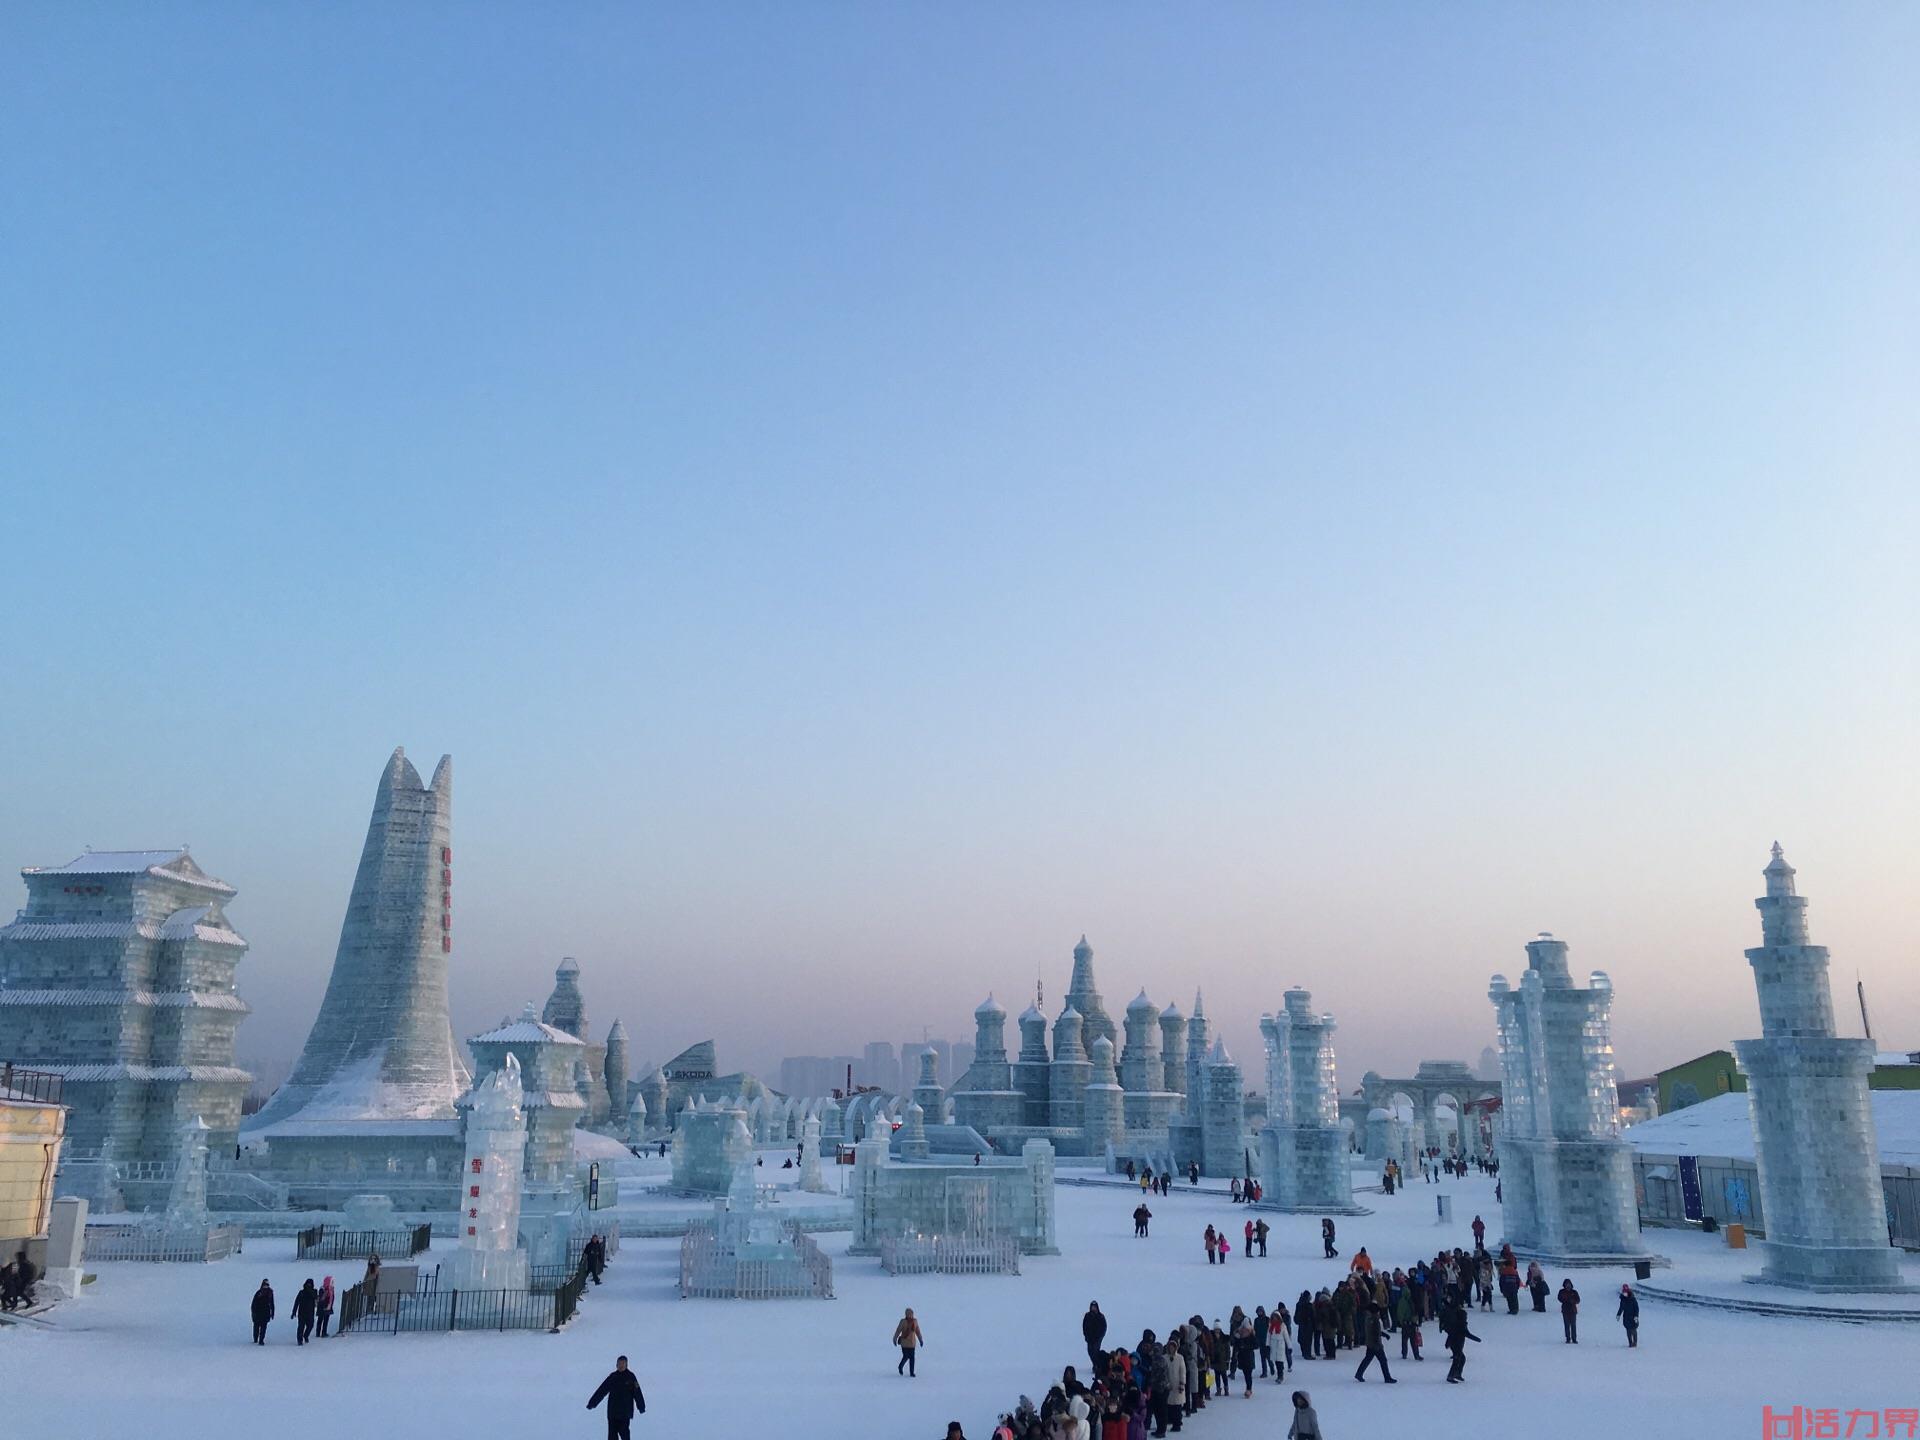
{"x":880,"y":1067}
{"x":960,"y":1060}
{"x":810,"y":1075}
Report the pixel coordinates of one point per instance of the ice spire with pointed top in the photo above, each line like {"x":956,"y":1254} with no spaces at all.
{"x":1084,"y":995}
{"x":382,"y":1045}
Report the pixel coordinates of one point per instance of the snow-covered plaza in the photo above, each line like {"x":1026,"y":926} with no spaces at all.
{"x":162,"y":1350}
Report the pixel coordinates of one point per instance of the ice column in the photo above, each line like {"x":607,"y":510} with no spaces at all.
{"x":489,"y":1257}
{"x":1813,"y":1132}
{"x":1568,"y":1175}
{"x":1104,"y":1105}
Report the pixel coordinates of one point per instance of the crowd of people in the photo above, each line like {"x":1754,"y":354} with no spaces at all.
{"x":1159,"y":1383}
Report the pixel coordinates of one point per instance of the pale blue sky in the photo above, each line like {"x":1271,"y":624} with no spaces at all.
{"x":866,"y":493}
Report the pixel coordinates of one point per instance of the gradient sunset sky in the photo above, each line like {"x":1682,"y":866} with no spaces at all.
{"x":866,"y":493}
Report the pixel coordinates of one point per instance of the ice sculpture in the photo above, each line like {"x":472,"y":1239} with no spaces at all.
{"x":1567,"y":1174}
{"x":490,"y":1257}
{"x":1813,"y":1133}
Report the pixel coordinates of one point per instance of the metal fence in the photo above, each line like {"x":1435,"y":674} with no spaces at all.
{"x":949,"y":1255}
{"x":40,"y":1086}
{"x":327,"y":1242}
{"x":710,"y":1271}
{"x":159,"y":1244}
{"x":431,"y":1309}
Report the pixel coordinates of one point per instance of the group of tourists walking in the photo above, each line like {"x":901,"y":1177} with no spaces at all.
{"x":1161,"y":1382}
{"x":311,"y":1312}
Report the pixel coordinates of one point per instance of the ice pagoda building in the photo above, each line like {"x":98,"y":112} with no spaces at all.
{"x":118,"y":976}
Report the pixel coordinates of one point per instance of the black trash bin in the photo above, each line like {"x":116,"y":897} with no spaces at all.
{"x":1643,"y":1269}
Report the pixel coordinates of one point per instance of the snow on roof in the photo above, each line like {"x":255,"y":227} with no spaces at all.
{"x":160,"y":999}
{"x":181,"y":925}
{"x":359,"y":1091}
{"x":590,"y":1145}
{"x":526,"y":1032}
{"x":350,"y":1129}
{"x":174,"y":864}
{"x":87,"y":1074}
{"x":191,"y":924}
{"x":1723,"y":1126}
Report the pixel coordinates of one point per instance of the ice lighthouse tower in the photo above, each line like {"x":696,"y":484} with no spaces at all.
{"x":1813,"y":1135}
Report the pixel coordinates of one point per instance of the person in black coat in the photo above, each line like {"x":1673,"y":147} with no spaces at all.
{"x":1453,"y":1324}
{"x":305,"y":1305}
{"x":16,"y":1282}
{"x":1093,"y":1329}
{"x":1569,"y":1299}
{"x":1373,"y":1337}
{"x":262,"y":1312}
{"x":1326,"y":1238}
{"x":621,"y":1391}
{"x":1629,"y":1313}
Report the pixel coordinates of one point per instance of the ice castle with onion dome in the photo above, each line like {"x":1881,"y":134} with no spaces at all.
{"x":1138,"y":1090}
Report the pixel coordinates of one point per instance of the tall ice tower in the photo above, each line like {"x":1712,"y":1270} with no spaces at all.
{"x":1813,"y":1134}
{"x":382,"y":1046}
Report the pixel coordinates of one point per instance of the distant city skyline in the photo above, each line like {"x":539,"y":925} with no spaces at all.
{"x":866,"y":495}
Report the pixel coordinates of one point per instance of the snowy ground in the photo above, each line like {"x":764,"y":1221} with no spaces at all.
{"x":162,"y":1351}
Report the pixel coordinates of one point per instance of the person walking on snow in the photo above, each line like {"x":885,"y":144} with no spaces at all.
{"x":1260,"y":1232}
{"x":621,"y":1391}
{"x":1326,"y":1237}
{"x":262,"y":1312}
{"x":1629,"y":1313}
{"x":305,"y":1304}
{"x":1141,"y":1215}
{"x":1407,"y":1322}
{"x":1093,"y":1329}
{"x":324,"y":1315}
{"x":1208,"y":1240}
{"x":1249,"y":1240}
{"x":1569,"y":1299}
{"x":908,"y":1337}
{"x":1372,"y":1335}
{"x":1453,"y":1324}
{"x":1479,"y":1233}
